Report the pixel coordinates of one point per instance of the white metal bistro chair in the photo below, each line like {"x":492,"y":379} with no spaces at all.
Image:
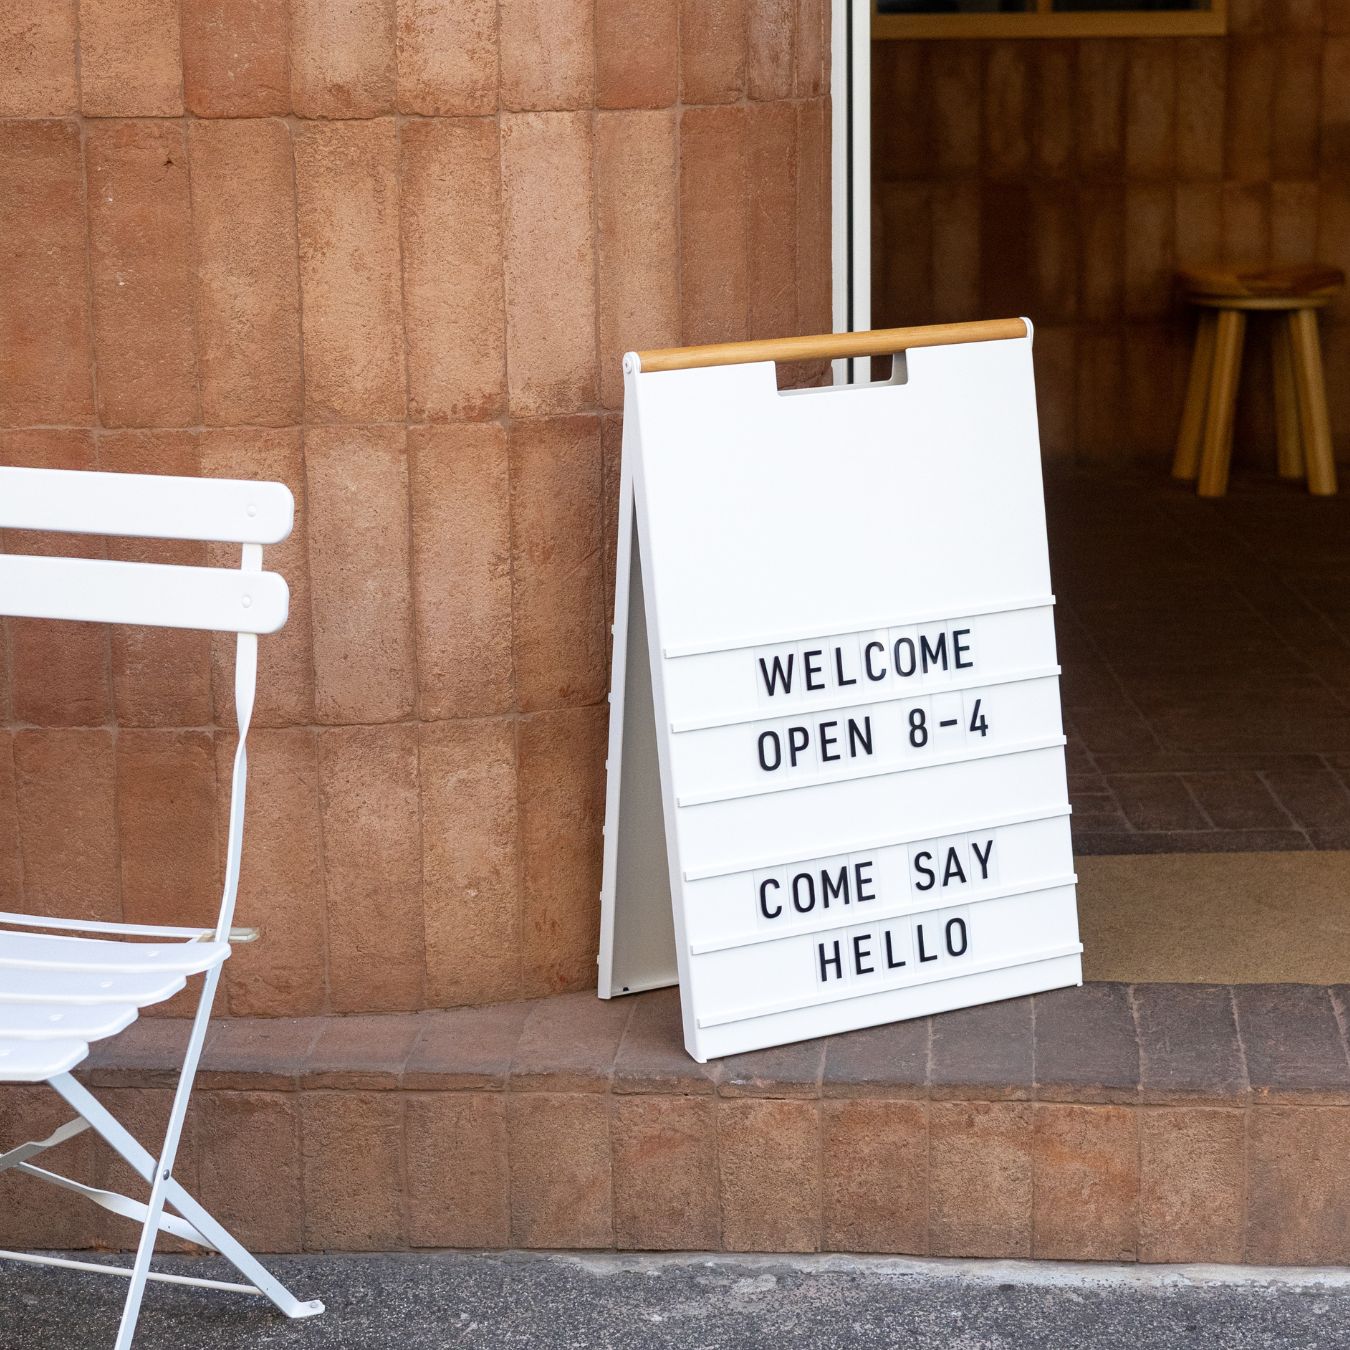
{"x":61,"y":989}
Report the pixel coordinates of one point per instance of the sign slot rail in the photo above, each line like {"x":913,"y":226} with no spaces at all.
{"x":782,"y":637}
{"x":938,"y":976}
{"x":958,"y":686}
{"x":958,"y":757}
{"x":863,"y":845}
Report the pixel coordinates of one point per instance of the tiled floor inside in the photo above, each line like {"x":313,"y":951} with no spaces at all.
{"x":1206,"y":656}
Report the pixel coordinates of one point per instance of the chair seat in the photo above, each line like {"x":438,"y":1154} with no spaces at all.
{"x":1310,"y":281}
{"x":40,"y":1040}
{"x":64,"y":1021}
{"x":37,"y":1061}
{"x":46,"y":951}
{"x":60,"y":994}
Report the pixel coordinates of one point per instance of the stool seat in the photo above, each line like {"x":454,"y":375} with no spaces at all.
{"x":1309,"y":281}
{"x":1226,"y":296}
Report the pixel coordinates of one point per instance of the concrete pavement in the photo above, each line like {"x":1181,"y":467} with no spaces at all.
{"x":484,"y":1301}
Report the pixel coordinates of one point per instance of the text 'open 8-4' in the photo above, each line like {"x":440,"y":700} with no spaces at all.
{"x":837,"y":792}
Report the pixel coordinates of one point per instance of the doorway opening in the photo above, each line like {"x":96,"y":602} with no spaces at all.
{"x":1205,"y":644}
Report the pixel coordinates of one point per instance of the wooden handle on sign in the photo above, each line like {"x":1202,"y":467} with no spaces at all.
{"x":831,"y":346}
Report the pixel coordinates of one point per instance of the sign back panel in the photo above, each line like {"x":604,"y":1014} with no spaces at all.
{"x":835,"y":668}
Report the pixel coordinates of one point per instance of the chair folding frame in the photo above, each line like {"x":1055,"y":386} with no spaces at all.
{"x":72,"y":981}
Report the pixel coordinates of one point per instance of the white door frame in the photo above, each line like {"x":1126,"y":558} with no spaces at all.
{"x":851,"y":173}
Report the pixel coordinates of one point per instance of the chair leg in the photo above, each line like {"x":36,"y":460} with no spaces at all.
{"x":162,"y":1173}
{"x":1288,"y":444}
{"x":1314,"y":421}
{"x":163,"y":1187}
{"x":1217,"y":447}
{"x":1186,"y":462}
{"x":145,"y":1249}
{"x":143,"y":1164}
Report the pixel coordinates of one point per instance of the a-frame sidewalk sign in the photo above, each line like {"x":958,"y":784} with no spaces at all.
{"x":836,"y":791}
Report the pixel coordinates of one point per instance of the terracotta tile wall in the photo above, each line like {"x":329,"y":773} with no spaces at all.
{"x":1067,"y":180}
{"x":390,"y":252}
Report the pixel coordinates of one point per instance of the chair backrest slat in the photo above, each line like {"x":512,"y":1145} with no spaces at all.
{"x":146,"y":506}
{"x":222,"y":599}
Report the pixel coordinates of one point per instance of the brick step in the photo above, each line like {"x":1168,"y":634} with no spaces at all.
{"x":1113,"y":1122}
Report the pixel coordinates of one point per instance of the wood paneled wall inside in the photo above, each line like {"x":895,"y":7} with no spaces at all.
{"x":1066,"y":180}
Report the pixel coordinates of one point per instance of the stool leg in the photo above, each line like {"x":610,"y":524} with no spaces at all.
{"x":1314,"y":422}
{"x":1186,"y":463}
{"x":1217,"y":447}
{"x":1288,"y":446}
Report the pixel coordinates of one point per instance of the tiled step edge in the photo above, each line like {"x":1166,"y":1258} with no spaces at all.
{"x":1108,"y":1123}
{"x":1100,"y":1044}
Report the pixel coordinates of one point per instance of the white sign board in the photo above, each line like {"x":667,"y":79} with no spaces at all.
{"x":836,"y":771}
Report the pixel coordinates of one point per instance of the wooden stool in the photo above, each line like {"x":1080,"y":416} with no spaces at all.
{"x":1302,"y":427}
